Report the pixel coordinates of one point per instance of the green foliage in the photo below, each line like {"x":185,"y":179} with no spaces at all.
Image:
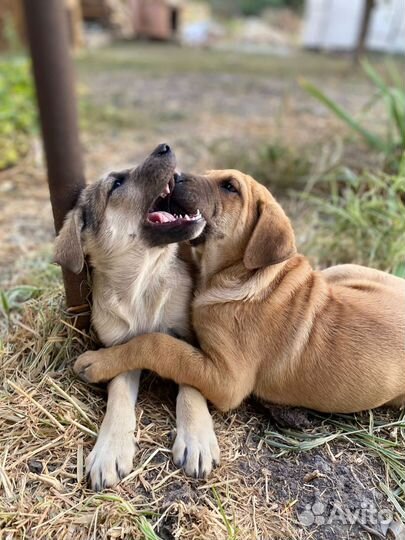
{"x":10,"y":33}
{"x":255,"y":7}
{"x":277,"y":166}
{"x":362,"y":220}
{"x":13,"y":299}
{"x":392,"y":93}
{"x":17,"y":110}
{"x":251,"y":7}
{"x":232,"y":532}
{"x":147,"y":529}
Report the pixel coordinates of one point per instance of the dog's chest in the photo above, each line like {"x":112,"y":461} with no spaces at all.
{"x":120,"y":315}
{"x":154,"y":305}
{"x":144,"y":311}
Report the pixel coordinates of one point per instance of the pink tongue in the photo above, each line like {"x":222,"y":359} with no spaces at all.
{"x":160,"y":217}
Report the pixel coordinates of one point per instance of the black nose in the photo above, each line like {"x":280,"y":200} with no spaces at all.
{"x":177,"y":178}
{"x":162,"y":149}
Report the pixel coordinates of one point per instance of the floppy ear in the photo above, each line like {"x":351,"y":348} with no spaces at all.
{"x":68,"y":244}
{"x":272,"y":240}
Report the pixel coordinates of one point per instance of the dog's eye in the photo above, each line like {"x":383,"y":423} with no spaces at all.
{"x":228,"y":186}
{"x":117,"y":183}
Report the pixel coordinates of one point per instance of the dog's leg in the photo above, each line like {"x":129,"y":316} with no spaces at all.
{"x":195,"y":448}
{"x":112,"y":456}
{"x":222,"y":379}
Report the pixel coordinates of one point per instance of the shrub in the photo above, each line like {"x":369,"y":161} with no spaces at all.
{"x":18,"y":118}
{"x":275,"y":165}
{"x":392,"y":92}
{"x":362,"y":221}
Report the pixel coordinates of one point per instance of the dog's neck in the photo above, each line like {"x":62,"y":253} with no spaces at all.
{"x":130,"y":291}
{"x":119,"y":270}
{"x":211,"y":262}
{"x":236,"y":283}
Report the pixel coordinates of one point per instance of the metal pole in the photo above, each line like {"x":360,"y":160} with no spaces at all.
{"x":47,"y":30}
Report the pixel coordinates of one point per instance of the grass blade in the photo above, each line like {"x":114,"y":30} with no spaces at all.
{"x":373,"y":140}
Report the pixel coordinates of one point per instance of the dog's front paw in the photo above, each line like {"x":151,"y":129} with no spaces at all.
{"x":90,"y":367}
{"x":196,"y":449}
{"x":112,"y":458}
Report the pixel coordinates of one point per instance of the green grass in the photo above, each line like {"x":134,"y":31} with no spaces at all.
{"x":39,"y":277}
{"x":13,"y":298}
{"x":231,"y":528}
{"x":277,"y":166}
{"x":157,"y":60}
{"x":18,"y":118}
{"x":110,"y":117}
{"x":390,"y":90}
{"x":361,"y":220}
{"x":147,"y":529}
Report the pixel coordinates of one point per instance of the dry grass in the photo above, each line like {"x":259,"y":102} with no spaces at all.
{"x":49,"y":421}
{"x":268,"y":475}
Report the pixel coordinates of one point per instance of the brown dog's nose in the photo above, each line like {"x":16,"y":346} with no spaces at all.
{"x":162,"y":150}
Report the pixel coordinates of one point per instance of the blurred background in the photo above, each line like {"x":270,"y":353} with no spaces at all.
{"x":306,"y":95}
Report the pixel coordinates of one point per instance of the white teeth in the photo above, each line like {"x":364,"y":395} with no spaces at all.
{"x":165,"y":192}
{"x":187,"y":217}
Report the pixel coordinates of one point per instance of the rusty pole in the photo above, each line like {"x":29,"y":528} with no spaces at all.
{"x":47,"y":30}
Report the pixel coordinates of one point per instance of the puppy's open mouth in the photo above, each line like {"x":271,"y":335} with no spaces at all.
{"x":164,"y":212}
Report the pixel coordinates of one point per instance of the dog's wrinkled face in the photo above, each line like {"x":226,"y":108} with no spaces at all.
{"x":244,"y":221}
{"x":124,"y":207}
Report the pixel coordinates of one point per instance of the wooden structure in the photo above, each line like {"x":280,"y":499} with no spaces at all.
{"x":156,"y":19}
{"x":152,"y":19}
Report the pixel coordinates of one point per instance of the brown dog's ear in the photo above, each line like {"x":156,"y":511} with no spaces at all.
{"x":272,"y":240}
{"x":68,"y":244}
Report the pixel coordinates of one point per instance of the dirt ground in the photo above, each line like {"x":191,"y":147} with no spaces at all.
{"x":134,"y":97}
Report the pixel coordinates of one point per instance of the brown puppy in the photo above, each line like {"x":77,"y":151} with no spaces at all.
{"x":267,"y":323}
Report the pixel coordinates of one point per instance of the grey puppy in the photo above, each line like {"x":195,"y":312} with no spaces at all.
{"x":140,"y":284}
